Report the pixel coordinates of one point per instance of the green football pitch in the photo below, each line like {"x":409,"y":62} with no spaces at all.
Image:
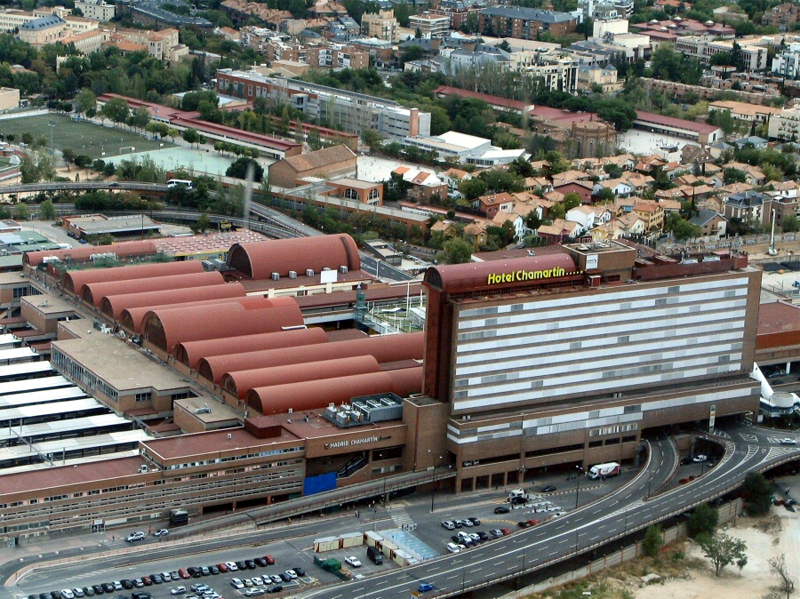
{"x":81,"y":136}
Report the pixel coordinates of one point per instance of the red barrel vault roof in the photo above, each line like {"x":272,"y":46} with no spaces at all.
{"x":93,"y":293}
{"x":191,"y":352}
{"x":386,"y":348}
{"x":113,"y":305}
{"x":260,"y":259}
{"x":82,"y":253}
{"x":74,"y":280}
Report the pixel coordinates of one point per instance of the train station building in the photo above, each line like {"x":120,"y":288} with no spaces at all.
{"x":243,"y":396}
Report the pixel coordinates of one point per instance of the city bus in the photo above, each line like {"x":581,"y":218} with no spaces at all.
{"x":182,"y":182}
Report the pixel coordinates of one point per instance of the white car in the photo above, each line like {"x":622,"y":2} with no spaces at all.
{"x":699,"y":458}
{"x":276,"y":579}
{"x":292,"y":574}
{"x":178,"y":591}
{"x":232,"y":567}
{"x":67,"y":594}
{"x":161,"y":533}
{"x":352,"y":561}
{"x":467,"y":523}
{"x":448,"y":525}
{"x":788,"y":441}
{"x":236,"y":583}
{"x":135,"y":536}
{"x":454,"y":548}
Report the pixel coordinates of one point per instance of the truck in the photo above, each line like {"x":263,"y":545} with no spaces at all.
{"x":375,"y":555}
{"x":603,"y":470}
{"x":329,"y":565}
{"x":517,"y":497}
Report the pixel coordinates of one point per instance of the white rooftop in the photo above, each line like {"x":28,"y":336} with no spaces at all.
{"x":462,"y":140}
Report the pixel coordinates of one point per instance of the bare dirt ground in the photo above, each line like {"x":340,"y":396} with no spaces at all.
{"x":766,"y":538}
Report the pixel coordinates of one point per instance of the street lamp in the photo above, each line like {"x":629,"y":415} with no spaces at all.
{"x":578,"y":485}
{"x":433,"y":490}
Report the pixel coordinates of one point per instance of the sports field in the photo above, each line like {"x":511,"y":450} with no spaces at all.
{"x":82,"y":137}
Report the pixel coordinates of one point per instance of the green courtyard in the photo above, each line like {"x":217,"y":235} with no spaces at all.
{"x":81,"y":136}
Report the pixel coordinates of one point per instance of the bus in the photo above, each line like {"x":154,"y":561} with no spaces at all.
{"x":182,"y":182}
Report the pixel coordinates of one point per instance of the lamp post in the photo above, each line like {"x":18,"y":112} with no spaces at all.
{"x":578,"y":486}
{"x":433,"y":490}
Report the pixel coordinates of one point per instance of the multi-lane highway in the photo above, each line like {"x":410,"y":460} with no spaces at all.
{"x":629,"y":508}
{"x":623,"y":510}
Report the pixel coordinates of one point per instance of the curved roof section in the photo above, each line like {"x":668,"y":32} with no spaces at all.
{"x":166,"y":328}
{"x":522,"y":271}
{"x":113,"y":305}
{"x":260,"y":259}
{"x":240,"y":382}
{"x":386,"y":348}
{"x":191,"y":352}
{"x":75,"y":280}
{"x":93,"y":293}
{"x":132,"y":319}
{"x":312,"y":395}
{"x":82,"y":253}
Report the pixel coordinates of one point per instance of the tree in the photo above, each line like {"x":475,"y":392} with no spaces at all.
{"x":239,"y":169}
{"x":47,"y":210}
{"x":785,"y":582}
{"x":203,"y":223}
{"x":86,"y":101}
{"x":702,"y":521}
{"x":116,"y":110}
{"x":790,"y":224}
{"x":313,"y":139}
{"x":456,"y":251}
{"x":653,"y":540}
{"x":69,"y":156}
{"x":557,"y":211}
{"x":722,"y":550}
{"x":605,"y":195}
{"x":191,"y":136}
{"x":571,"y":200}
{"x":22,"y":211}
{"x":614,"y":171}
{"x":472,"y":188}
{"x":733,"y":175}
{"x":682,"y":229}
{"x":140,"y":118}
{"x":372,"y":138}
{"x":757,"y":493}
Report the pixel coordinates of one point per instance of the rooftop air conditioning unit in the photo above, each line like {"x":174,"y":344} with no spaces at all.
{"x":325,"y":268}
{"x":343,"y":270}
{"x":276,"y":276}
{"x":292,"y":274}
{"x":309,"y":272}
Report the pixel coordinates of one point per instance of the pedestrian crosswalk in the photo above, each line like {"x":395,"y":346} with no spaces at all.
{"x":399,"y":516}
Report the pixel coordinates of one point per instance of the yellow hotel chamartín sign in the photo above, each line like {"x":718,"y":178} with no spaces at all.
{"x":519,"y":276}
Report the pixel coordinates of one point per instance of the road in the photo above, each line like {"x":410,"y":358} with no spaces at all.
{"x":606,"y":517}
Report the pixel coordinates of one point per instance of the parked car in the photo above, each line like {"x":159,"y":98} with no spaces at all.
{"x":699,"y":458}
{"x":292,"y":574}
{"x":161,"y":533}
{"x":475,"y":521}
{"x":353,"y":561}
{"x":236,"y":583}
{"x":549,"y":489}
{"x":495,"y":533}
{"x":448,"y":525}
{"x":453,"y":548}
{"x":178,"y":591}
{"x":299,"y":571}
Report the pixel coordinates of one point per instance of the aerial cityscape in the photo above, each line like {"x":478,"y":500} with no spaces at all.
{"x":387,"y":298}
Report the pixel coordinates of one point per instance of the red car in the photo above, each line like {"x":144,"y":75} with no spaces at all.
{"x":533,"y":522}
{"x":270,"y":560}
{"x":222,"y":567}
{"x":505,"y":531}
{"x":184,"y":573}
{"x":146,"y":580}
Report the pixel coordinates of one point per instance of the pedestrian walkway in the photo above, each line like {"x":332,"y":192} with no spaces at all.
{"x":399,"y":516}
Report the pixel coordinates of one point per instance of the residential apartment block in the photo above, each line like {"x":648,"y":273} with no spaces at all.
{"x":524,"y":23}
{"x":752,"y":50}
{"x":783,"y":16}
{"x":349,"y":111}
{"x":786,"y":125}
{"x":381,"y":25}
{"x":430,"y":25}
{"x":787,"y":63}
{"x":96,"y":9}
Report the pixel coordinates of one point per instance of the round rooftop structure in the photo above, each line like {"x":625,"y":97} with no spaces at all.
{"x":93,"y":293}
{"x":313,"y":395}
{"x":165,"y":328}
{"x":132,"y":319}
{"x":113,"y":305}
{"x":190,"y":352}
{"x":455,"y":278}
{"x":258,"y":260}
{"x":385,"y":348}
{"x":240,"y":382}
{"x":74,"y":280}
{"x":84,"y":252}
